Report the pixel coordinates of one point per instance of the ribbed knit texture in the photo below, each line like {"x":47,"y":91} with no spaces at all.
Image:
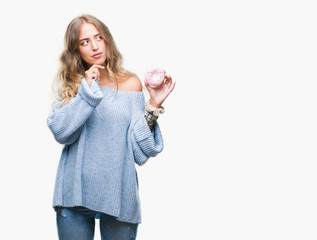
{"x":105,"y":134}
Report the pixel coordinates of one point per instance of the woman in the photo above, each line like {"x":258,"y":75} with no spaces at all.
{"x":101,"y":119}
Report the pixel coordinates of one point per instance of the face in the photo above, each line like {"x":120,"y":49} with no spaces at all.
{"x":92,"y":46}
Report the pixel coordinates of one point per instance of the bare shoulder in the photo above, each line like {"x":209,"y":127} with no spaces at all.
{"x":134,"y":84}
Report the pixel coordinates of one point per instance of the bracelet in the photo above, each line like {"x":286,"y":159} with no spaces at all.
{"x":150,"y":116}
{"x":153,"y":110}
{"x":150,"y":122}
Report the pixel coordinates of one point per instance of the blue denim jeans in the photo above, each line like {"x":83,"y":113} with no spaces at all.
{"x":78,"y":223}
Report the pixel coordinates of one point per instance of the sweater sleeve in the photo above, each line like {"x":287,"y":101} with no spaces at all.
{"x":66,"y":121}
{"x":145,"y":143}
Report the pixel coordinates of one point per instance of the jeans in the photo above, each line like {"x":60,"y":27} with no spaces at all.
{"x":78,"y":223}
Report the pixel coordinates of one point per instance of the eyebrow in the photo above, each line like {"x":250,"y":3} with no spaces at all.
{"x":88,"y":38}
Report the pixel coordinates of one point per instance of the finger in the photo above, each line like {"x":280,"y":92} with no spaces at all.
{"x":97,"y":66}
{"x":147,"y":86}
{"x":93,"y":76}
{"x":150,"y":89}
{"x":98,"y":74}
{"x":168,"y":77}
{"x":172,"y":87}
{"x":95,"y":73}
{"x":168,"y":81}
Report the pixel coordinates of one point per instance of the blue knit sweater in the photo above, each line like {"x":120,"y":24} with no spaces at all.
{"x":104,"y":133}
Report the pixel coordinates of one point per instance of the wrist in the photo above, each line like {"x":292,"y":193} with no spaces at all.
{"x":88,"y":82}
{"x":153,"y":110}
{"x":155,"y":104}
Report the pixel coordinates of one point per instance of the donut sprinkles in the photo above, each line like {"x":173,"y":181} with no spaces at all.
{"x":155,"y":77}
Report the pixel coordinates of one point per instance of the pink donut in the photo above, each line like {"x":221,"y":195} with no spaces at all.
{"x":155,"y":76}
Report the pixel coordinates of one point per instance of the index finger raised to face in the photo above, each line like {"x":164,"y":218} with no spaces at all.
{"x":97,"y":66}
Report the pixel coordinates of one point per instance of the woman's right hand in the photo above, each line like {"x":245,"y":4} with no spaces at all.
{"x":93,"y":73}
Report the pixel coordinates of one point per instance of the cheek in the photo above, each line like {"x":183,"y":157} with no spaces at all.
{"x":104,"y":46}
{"x":83,"y":53}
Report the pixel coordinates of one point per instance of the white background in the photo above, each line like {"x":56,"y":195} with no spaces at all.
{"x":239,"y":129}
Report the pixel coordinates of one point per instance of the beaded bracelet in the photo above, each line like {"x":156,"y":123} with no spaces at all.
{"x":150,"y":119}
{"x":153,"y":110}
{"x":150,"y":123}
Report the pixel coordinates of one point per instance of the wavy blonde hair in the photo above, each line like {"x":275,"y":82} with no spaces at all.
{"x":72,"y":66}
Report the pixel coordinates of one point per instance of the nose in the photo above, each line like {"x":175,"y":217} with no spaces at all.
{"x":94,"y":46}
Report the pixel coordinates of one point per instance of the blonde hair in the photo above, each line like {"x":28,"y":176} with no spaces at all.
{"x":73,"y":67}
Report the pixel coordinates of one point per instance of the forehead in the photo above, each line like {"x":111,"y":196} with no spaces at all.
{"x":87,"y":30}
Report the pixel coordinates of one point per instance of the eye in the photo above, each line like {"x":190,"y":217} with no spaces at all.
{"x":99,"y":37}
{"x":84,"y":43}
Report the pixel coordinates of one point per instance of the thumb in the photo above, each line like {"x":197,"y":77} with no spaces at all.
{"x":147,"y":86}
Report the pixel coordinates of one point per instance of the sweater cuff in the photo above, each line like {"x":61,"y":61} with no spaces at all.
{"x":92,"y":94}
{"x":141,"y":130}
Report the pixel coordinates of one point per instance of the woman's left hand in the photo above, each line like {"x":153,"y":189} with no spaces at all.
{"x":160,"y":93}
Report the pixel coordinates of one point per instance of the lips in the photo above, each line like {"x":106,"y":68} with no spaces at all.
{"x":97,"y":55}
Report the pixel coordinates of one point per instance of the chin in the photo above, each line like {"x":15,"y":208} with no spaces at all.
{"x":97,"y":62}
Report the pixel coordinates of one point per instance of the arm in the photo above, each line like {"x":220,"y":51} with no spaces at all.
{"x":66,"y":122}
{"x":147,"y":140}
{"x":146,"y":143}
